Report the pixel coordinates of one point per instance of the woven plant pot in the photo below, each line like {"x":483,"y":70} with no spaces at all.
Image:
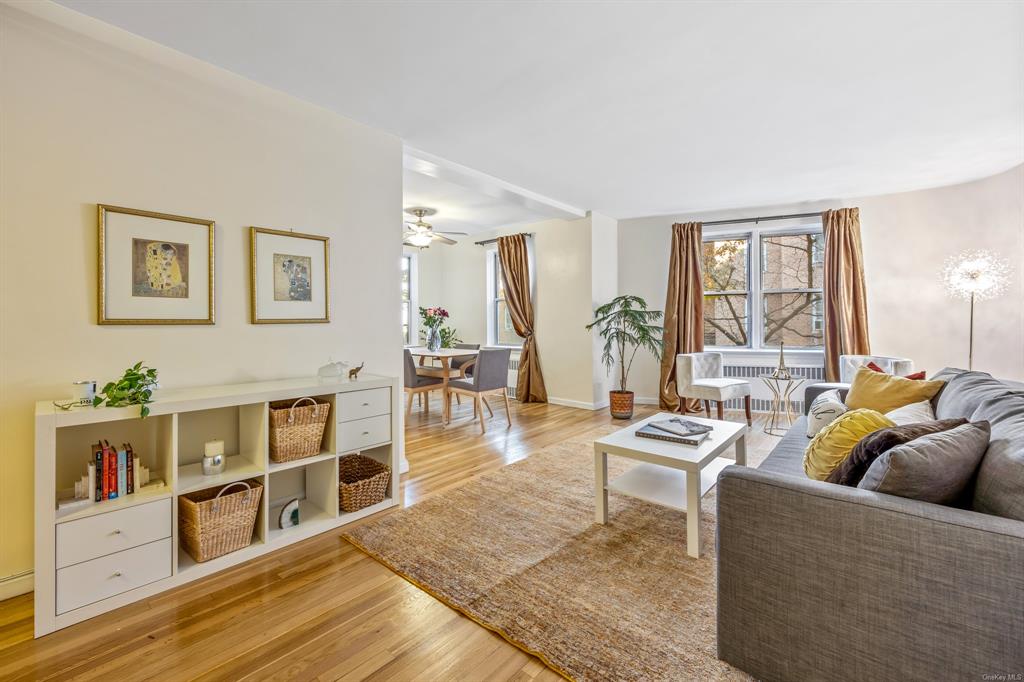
{"x":621,"y":404}
{"x":216,"y":521}
{"x":362,"y":481}
{"x":296,"y":429}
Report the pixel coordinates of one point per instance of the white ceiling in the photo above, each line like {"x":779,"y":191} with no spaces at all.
{"x":460,"y":208}
{"x":643,"y":108}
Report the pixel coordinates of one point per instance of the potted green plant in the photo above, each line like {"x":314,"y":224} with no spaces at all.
{"x":626,"y":325}
{"x":134,"y":388}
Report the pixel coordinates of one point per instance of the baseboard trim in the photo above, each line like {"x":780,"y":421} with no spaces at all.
{"x":579,"y":404}
{"x":13,"y":585}
{"x":642,"y":400}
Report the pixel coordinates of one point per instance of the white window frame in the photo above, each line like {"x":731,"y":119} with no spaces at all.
{"x":754,"y":292}
{"x":412,"y":339}
{"x":491,"y":256}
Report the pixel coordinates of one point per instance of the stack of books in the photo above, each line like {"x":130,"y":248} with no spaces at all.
{"x":675,"y":430}
{"x":110,"y":474}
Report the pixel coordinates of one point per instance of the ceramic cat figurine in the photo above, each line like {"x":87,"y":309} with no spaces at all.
{"x":354,"y":372}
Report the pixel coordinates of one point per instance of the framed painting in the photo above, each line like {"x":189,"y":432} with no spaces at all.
{"x":154,"y":268}
{"x":289,"y":277}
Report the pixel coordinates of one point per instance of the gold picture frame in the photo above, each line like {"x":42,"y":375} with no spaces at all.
{"x":106,"y":313}
{"x":294,"y":293}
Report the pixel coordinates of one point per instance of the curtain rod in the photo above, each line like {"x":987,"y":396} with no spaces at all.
{"x":491,"y":241}
{"x":737,"y":221}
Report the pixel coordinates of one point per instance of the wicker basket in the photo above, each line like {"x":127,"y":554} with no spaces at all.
{"x":362,"y":481}
{"x":214,"y":522}
{"x":296,"y":430}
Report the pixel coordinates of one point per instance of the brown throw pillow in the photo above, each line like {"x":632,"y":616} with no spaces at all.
{"x":871,"y":447}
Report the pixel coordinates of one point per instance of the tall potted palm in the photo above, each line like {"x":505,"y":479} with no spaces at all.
{"x":626,"y":325}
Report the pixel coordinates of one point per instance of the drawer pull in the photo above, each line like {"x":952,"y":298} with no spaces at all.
{"x":366,"y":404}
{"x":116,"y":531}
{"x":117,"y":574}
{"x":366,"y":433}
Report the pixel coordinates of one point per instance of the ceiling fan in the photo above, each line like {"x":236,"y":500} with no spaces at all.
{"x":421,"y":234}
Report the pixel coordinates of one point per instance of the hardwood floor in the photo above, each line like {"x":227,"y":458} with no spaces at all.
{"x":320,"y":609}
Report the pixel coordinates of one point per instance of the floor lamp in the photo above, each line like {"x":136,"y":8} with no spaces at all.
{"x":975,"y":275}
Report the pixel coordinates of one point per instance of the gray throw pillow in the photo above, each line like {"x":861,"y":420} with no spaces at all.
{"x":936,"y":467}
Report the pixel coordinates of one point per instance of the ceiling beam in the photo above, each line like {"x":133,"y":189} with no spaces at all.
{"x":434,"y":166}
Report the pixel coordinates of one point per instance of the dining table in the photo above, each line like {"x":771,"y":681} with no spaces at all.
{"x":444,"y":372}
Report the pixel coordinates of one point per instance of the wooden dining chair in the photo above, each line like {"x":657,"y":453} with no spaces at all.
{"x":490,"y":376}
{"x":418,"y":385}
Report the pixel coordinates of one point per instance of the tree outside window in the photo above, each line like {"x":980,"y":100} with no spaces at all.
{"x":786,"y":288}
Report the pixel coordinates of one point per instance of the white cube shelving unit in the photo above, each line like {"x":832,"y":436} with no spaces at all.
{"x":95,"y":558}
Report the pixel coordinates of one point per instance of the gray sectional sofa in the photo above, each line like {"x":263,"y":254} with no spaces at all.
{"x":818,"y":581}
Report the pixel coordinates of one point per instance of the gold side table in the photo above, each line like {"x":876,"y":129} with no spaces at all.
{"x":782,"y":389}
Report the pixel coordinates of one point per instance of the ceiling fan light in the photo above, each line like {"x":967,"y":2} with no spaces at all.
{"x":420,"y":239}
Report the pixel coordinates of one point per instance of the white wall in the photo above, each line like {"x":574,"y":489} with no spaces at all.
{"x":906,"y":239}
{"x":94,"y":115}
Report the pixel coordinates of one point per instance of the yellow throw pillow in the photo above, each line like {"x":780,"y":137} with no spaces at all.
{"x":884,"y":392}
{"x":833,"y":443}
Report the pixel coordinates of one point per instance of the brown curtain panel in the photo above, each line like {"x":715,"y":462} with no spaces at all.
{"x":846,"y":301}
{"x":515,"y":275}
{"x":684,"y":310}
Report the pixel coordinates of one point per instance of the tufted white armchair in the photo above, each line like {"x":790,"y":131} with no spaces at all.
{"x":849,"y":364}
{"x":701,"y":376}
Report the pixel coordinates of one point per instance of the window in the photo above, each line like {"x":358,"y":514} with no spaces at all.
{"x":409,"y":310}
{"x":763,"y":288}
{"x":500,"y":329}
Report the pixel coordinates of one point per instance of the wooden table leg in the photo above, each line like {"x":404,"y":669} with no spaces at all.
{"x":600,"y":485}
{"x":693,"y":513}
{"x":446,"y":411}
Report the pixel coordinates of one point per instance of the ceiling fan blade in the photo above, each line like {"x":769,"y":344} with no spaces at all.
{"x":415,"y":246}
{"x":458,"y":234}
{"x":443,"y":239}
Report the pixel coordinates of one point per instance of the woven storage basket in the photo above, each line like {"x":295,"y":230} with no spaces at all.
{"x":362,"y":481}
{"x":296,"y":430}
{"x":214,"y":522}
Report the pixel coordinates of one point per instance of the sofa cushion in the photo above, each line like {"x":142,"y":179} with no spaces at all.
{"x":834,"y":442}
{"x":874,"y":445}
{"x":965,"y":391}
{"x":999,"y":488}
{"x":787,"y":458}
{"x":885,"y":392}
{"x":823,"y":411}
{"x":936,"y":467}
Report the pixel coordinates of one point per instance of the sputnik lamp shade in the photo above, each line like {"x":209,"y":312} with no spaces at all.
{"x":975,"y":275}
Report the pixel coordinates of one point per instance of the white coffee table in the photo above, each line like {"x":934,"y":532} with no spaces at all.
{"x":672,"y":475}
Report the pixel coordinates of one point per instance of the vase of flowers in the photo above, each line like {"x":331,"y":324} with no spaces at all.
{"x":433,"y":318}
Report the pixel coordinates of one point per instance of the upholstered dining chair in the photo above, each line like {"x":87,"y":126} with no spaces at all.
{"x":416,"y":384}
{"x":849,"y":364}
{"x":463,"y":367}
{"x":701,"y":376}
{"x":490,"y":376}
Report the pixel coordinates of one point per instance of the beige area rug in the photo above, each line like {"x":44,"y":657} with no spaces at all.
{"x":518,"y":551}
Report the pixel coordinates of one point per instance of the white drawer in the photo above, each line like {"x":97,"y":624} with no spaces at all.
{"x":362,"y":404}
{"x":98,"y":579}
{"x":363,"y":433}
{"x":103,"y":534}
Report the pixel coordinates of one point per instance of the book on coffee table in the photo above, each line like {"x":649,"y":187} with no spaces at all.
{"x":651,"y":431}
{"x":681,"y":427}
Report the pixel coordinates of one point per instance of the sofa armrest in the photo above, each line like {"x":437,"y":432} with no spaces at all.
{"x":814,"y":390}
{"x":820,"y":581}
